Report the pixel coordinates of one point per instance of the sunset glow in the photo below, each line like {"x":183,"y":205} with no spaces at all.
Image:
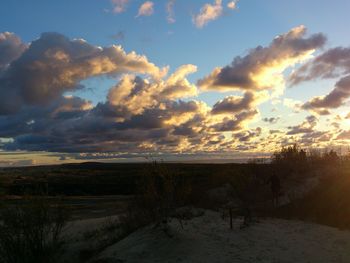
{"x":189,"y":80}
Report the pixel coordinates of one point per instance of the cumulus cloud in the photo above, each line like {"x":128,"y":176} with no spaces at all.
{"x":11,"y":47}
{"x":135,"y":94}
{"x":309,"y":138}
{"x":119,"y":6}
{"x":247,"y":136}
{"x":146,"y":9}
{"x":262,"y":68}
{"x":333,"y":63}
{"x":207,"y":13}
{"x":54,"y":64}
{"x":141,"y":113}
{"x":306,"y":126}
{"x":233,"y":104}
{"x":93,"y":131}
{"x":336,"y":98}
{"x":235,"y":123}
{"x":147,"y":109}
{"x":330,"y":64}
{"x":170,"y":11}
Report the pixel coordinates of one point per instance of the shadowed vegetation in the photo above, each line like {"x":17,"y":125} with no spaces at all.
{"x":31,"y":231}
{"x":314,"y":187}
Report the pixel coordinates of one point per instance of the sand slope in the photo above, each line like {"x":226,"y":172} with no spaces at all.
{"x":209,"y":239}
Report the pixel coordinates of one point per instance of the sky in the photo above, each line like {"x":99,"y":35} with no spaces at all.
{"x":194,"y":80}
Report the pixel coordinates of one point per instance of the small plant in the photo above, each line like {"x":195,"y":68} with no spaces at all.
{"x":31,"y":231}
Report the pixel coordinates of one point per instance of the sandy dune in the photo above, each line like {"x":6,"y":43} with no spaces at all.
{"x":209,"y":239}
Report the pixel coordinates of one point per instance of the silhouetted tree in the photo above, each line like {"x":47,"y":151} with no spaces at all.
{"x":289,"y":160}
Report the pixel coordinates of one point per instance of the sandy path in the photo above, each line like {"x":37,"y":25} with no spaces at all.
{"x":209,"y":239}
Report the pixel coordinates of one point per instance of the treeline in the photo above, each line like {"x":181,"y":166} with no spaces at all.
{"x":295,"y":159}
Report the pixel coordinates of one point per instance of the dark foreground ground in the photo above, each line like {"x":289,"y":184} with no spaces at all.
{"x":88,"y":179}
{"x":94,"y":190}
{"x":84,"y":207}
{"x":101,"y":228}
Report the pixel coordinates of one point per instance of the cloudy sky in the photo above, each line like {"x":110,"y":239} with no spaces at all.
{"x":121,"y":80}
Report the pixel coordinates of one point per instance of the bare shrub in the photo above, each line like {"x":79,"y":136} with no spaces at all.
{"x":31,"y":231}
{"x":160,"y":192}
{"x":246,"y":188}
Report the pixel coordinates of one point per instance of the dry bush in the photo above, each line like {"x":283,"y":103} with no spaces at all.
{"x":246,"y":193}
{"x":160,"y":192}
{"x":31,"y":231}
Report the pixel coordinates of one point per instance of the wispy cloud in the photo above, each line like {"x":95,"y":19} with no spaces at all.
{"x":119,"y":36}
{"x":119,"y":6}
{"x":146,"y":9}
{"x":207,"y":13}
{"x":170,"y":11}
